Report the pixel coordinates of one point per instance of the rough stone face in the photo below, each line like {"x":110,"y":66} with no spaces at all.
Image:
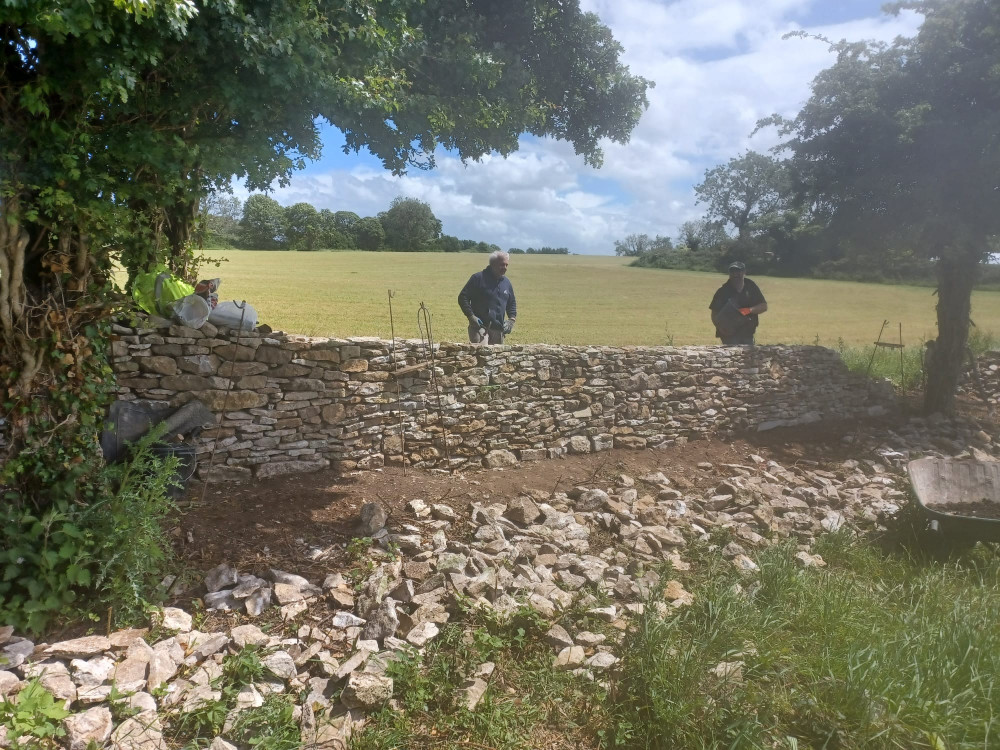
{"x":382,"y":623}
{"x":219,"y":400}
{"x":367,"y":691}
{"x":472,"y":692}
{"x":333,"y":413}
{"x":93,"y":725}
{"x":266,"y":471}
{"x":592,"y":500}
{"x":221,"y":577}
{"x":93,"y":671}
{"x":54,"y":677}
{"x":79,"y":648}
{"x":139,"y":733}
{"x":162,"y":667}
{"x":421,"y":634}
{"x":158,"y":365}
{"x":9,"y":683}
{"x":570,"y":657}
{"x":522,"y":511}
{"x":558,"y":637}
{"x":176,"y":619}
{"x":373,"y":518}
{"x":281,"y":664}
{"x":248,"y":635}
{"x":498,"y":459}
{"x":258,"y":601}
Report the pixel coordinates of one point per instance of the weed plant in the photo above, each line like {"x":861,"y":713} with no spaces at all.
{"x":271,"y":726}
{"x":114,"y":550}
{"x":33,"y":717}
{"x":133,"y":551}
{"x":877,"y":651}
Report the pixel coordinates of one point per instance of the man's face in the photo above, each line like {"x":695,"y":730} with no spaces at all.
{"x":498,"y":266}
{"x":736,"y":277}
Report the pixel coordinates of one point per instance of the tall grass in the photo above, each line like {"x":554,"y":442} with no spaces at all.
{"x":907,"y":371}
{"x":878,"y":651}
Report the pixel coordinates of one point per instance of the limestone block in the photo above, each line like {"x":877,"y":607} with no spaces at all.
{"x":219,"y":400}
{"x":199,"y":364}
{"x":158,"y":365}
{"x":273,"y":355}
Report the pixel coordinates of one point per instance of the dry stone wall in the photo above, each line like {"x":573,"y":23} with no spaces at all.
{"x":291,"y":404}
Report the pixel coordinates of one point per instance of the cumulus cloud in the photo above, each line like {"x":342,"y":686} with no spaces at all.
{"x":719,"y":66}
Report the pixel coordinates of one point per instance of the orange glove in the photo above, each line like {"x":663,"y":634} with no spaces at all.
{"x":745,"y":310}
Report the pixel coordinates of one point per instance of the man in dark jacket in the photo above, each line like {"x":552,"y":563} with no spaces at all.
{"x":486,"y":298}
{"x":735,"y":307}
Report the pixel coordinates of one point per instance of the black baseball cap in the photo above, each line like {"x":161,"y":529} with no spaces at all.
{"x":737,"y":266}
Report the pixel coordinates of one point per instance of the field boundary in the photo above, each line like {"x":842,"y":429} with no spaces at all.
{"x":288,"y":404}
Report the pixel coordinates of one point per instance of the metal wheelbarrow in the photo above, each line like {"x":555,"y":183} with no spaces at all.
{"x":959,"y":497}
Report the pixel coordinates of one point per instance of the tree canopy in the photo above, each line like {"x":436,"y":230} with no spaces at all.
{"x":117,"y":118}
{"x":744,"y":191}
{"x":263,"y":222}
{"x":410,"y":225}
{"x":898,"y":147}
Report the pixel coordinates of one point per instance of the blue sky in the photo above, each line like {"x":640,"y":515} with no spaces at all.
{"x":719,"y":66}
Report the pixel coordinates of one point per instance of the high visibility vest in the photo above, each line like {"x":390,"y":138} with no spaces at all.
{"x":154,"y":290}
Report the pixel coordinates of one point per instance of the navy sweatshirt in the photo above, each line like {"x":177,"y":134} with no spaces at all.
{"x":488,"y":297}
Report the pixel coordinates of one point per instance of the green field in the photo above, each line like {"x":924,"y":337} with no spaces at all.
{"x":564,"y":299}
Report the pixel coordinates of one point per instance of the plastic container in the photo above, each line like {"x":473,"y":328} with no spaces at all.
{"x":192,"y":311}
{"x":230,"y":313}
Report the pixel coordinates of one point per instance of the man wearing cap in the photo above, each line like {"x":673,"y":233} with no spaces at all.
{"x":735,"y":308}
{"x":486,"y":298}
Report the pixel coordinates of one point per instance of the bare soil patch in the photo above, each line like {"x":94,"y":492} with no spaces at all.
{"x":274,"y":523}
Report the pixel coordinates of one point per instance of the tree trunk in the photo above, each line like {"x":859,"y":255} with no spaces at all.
{"x":956,"y":276}
{"x":178,"y":227}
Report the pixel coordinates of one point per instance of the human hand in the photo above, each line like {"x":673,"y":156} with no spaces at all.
{"x":474,"y":321}
{"x":508,"y":325}
{"x":745,"y":310}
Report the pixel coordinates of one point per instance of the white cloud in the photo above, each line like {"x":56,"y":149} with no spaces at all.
{"x":719,"y":66}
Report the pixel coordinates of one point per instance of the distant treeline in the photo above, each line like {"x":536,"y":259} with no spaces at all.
{"x":760,"y":258}
{"x":755,"y":215}
{"x":408,"y":225}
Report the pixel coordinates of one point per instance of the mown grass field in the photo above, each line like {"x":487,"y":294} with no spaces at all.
{"x":564,"y":299}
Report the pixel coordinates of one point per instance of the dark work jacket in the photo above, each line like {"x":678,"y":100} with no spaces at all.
{"x":750,"y":296}
{"x":488,"y":298}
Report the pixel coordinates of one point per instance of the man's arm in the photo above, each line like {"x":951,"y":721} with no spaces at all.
{"x":465,"y":298}
{"x":758,"y":304}
{"x":511,"y":304}
{"x":718,"y":301}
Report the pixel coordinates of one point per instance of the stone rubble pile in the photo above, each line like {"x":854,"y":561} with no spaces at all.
{"x":583,"y":556}
{"x":981,"y":380}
